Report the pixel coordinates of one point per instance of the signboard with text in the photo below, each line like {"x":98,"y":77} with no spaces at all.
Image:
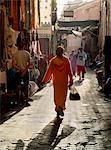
{"x":68,"y":13}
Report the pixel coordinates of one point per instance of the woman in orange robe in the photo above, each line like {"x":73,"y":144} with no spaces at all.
{"x":60,"y":71}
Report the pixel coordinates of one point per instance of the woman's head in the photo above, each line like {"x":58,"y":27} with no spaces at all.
{"x":59,"y":51}
{"x":80,"y":49}
{"x":20,"y":43}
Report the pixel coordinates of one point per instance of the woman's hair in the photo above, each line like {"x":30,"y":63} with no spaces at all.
{"x":80,"y":49}
{"x":20,"y":43}
{"x":59,"y":51}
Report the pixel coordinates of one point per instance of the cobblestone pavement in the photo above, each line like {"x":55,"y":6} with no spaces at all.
{"x":85,"y":126}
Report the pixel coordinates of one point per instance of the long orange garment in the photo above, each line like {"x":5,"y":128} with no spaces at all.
{"x":59,"y":70}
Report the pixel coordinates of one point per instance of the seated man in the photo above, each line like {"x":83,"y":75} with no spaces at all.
{"x":100,"y":57}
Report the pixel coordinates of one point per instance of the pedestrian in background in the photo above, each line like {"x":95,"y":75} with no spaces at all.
{"x":100,"y":57}
{"x":73,"y":59}
{"x":24,"y":35}
{"x":81,"y":60}
{"x":60,"y":71}
{"x":42,"y":66}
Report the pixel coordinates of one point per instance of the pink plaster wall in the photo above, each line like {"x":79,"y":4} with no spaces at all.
{"x":91,"y":11}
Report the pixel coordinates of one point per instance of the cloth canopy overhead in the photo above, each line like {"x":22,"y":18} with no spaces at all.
{"x":77,"y":33}
{"x":77,"y":23}
{"x":91,"y":28}
{"x":88,"y":29}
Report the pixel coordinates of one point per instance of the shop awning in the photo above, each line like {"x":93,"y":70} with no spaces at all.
{"x":64,"y":31}
{"x":77,"y":23}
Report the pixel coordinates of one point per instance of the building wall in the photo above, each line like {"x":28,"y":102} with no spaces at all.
{"x":102,"y":27}
{"x":105,"y":35}
{"x":2,"y":23}
{"x":27,"y":14}
{"x":14,"y":14}
{"x":45,"y":29}
{"x":36,"y":3}
{"x":105,"y":22}
{"x":108,"y":17}
{"x":90,"y":11}
{"x":44,"y":45}
{"x":73,"y":43}
{"x":45,"y":12}
{"x":32,"y":13}
{"x":22,"y":10}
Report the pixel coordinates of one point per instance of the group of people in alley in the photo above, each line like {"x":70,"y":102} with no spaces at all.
{"x":21,"y":59}
{"x":61,"y":70}
{"x":78,"y":63}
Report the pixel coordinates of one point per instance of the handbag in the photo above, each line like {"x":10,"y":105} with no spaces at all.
{"x":74,"y":95}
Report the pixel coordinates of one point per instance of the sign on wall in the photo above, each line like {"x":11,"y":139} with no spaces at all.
{"x":68,"y":13}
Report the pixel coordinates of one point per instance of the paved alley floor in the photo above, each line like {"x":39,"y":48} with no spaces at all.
{"x":85,"y":126}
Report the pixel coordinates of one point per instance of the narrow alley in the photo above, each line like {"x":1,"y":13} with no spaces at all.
{"x":85,"y":126}
{"x":60,"y":44}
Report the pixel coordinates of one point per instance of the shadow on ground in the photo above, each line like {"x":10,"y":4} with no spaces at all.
{"x":36,"y":97}
{"x":9,"y":114}
{"x":78,"y":83}
{"x":49,"y":138}
{"x":20,"y":145}
{"x":14,"y":110}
